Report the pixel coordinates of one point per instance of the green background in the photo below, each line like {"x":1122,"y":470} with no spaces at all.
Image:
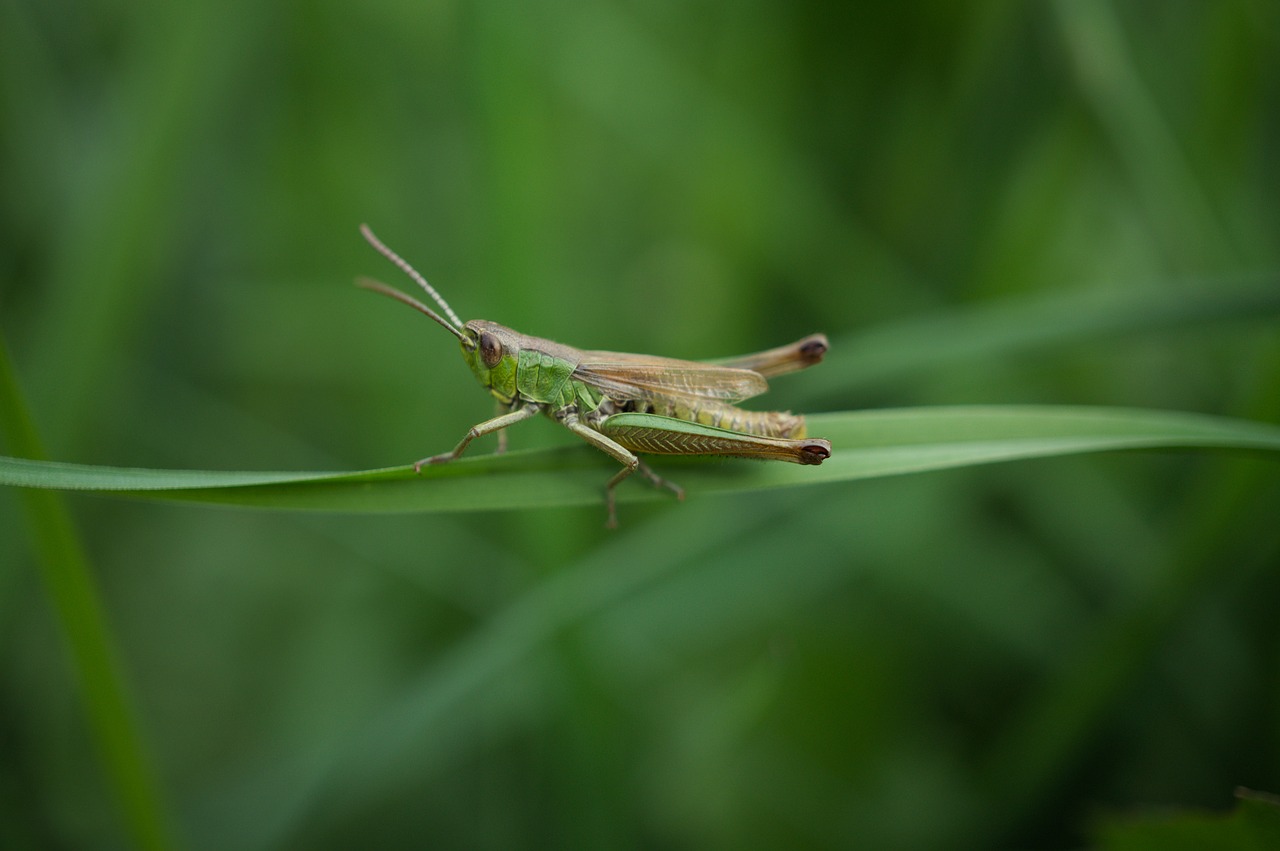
{"x":980,"y":203}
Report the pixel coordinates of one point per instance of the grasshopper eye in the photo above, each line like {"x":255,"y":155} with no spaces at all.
{"x":490,"y":350}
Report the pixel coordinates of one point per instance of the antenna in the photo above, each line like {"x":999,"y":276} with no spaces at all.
{"x":379,"y":287}
{"x":416,"y":276}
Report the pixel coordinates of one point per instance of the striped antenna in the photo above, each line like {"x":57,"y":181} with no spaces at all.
{"x":412,"y":273}
{"x":405,"y":298}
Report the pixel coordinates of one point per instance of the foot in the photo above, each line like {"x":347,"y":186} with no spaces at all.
{"x":660,"y":482}
{"x":434,"y":459}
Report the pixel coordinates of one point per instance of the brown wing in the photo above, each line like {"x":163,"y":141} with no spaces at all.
{"x":628,"y":376}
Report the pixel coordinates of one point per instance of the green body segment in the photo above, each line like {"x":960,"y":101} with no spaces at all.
{"x":544,"y":378}
{"x":589,"y":398}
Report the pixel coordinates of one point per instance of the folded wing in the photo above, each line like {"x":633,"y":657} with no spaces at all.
{"x":627,"y":376}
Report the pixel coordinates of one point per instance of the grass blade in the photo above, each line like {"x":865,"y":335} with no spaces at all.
{"x":83,"y":623}
{"x":867,"y":444}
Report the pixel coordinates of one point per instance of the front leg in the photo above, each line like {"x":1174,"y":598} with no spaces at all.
{"x":480,"y":430}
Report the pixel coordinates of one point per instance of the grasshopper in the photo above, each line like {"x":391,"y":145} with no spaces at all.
{"x":623,"y":403}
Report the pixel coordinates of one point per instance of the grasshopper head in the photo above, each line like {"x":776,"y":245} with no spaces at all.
{"x":491,"y":350}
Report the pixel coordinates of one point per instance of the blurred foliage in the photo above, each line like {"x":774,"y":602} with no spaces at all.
{"x":1253,"y":826}
{"x":986,"y":657}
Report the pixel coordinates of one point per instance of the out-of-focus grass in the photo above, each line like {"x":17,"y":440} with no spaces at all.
{"x":973,"y":658}
{"x":91,"y":646}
